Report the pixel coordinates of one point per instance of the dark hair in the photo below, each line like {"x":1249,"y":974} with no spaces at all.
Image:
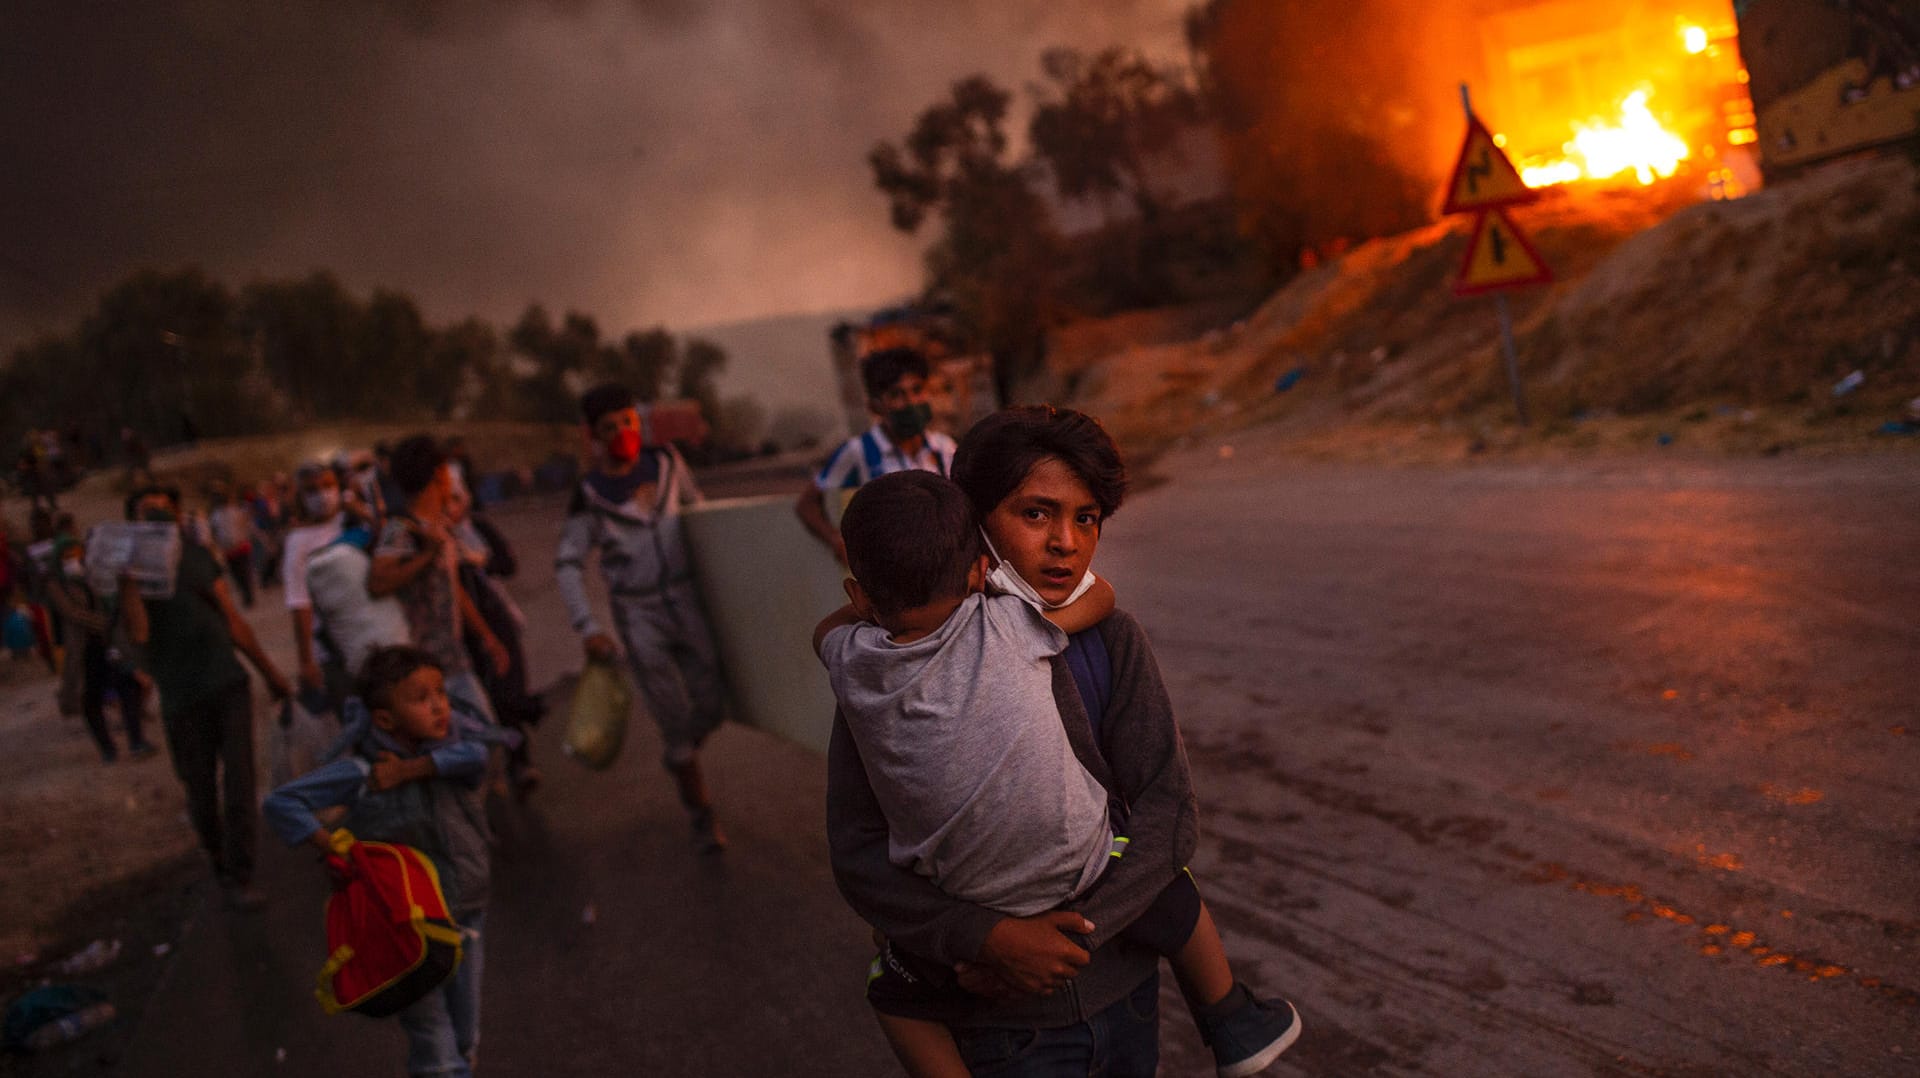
{"x":389,"y":666}
{"x":141,"y":494}
{"x":880,"y":370}
{"x":602,"y":399}
{"x":911,"y":538}
{"x":414,"y":463}
{"x":1000,"y":450}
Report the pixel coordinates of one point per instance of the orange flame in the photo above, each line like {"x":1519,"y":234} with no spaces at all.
{"x":1600,"y":150}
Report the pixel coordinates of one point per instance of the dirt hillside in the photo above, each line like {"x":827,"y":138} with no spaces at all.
{"x":1728,"y":321}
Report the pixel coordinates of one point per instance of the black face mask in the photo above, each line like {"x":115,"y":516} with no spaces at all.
{"x":910,"y":421}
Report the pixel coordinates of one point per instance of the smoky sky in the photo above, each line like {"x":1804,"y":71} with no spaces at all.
{"x":646,"y":161}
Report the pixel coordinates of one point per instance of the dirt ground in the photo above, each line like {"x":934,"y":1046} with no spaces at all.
{"x":1726,"y":326}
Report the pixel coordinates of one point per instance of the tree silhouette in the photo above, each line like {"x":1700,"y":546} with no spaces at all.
{"x":175,"y":355}
{"x":644,"y":361}
{"x":701,"y":362}
{"x":305,"y":334}
{"x":995,"y":259}
{"x":1102,"y":121}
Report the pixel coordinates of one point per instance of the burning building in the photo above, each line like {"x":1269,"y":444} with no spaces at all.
{"x":1631,"y":92}
{"x":1648,"y":89}
{"x":1340,"y":119}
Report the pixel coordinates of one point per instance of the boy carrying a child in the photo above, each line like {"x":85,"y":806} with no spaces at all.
{"x":948,"y":693}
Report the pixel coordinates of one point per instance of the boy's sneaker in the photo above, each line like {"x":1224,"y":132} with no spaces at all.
{"x":1250,"y":1037}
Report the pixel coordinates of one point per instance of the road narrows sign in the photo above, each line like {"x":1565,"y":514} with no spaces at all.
{"x":1499,"y":256}
{"x":1483,"y":178}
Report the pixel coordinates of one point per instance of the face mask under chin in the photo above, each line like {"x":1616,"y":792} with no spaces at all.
{"x":1004,"y":580}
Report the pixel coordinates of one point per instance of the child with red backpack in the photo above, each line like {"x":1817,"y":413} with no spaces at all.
{"x":410,"y":772}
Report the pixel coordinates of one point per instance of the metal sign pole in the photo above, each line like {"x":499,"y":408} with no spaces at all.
{"x":1513,"y":359}
{"x":1506,"y":317}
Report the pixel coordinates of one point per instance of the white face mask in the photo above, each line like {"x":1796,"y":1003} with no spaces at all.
{"x":321,"y":504}
{"x":74,"y":568}
{"x":1007,"y":582}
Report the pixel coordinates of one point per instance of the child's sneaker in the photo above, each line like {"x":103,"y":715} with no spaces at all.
{"x":1252,"y":1035}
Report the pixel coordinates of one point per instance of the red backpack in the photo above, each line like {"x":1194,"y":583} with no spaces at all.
{"x":390,"y":939}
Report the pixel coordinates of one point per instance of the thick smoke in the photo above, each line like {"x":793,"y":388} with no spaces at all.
{"x":682,"y":161}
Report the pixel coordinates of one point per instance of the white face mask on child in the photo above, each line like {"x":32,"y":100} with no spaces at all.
{"x":1007,"y":582}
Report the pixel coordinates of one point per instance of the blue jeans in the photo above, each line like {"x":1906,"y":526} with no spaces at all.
{"x":443,"y":1028}
{"x":1122,"y":1041}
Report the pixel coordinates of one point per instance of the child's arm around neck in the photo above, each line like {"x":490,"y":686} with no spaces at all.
{"x":1085,"y":612}
{"x":840,"y":618}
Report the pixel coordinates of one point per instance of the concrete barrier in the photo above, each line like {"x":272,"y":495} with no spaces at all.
{"x":766,"y":583}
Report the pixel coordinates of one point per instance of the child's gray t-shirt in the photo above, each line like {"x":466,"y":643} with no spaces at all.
{"x":963,"y":744}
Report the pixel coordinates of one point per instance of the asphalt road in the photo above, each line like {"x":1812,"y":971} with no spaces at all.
{"x":1586,"y":769}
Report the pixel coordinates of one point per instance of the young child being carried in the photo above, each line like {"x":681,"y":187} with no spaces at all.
{"x":948,"y":693}
{"x":412,"y":775}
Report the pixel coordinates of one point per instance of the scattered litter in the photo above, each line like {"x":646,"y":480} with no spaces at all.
{"x":1226,"y":452}
{"x":54,"y":1014}
{"x":279,"y":1055}
{"x":1212,"y":399}
{"x":1289,"y":380}
{"x":162,"y":950}
{"x":589,"y":915}
{"x":1899,"y":428}
{"x":1913,"y":409}
{"x":1665,"y":438}
{"x":1850,"y":383}
{"x":96,"y":955}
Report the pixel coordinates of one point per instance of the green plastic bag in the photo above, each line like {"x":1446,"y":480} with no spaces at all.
{"x":597,"y":721}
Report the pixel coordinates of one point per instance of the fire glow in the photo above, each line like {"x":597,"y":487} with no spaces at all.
{"x":1623,"y":95}
{"x":1636,"y":143}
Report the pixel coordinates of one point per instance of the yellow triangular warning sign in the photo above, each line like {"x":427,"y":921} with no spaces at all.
{"x":1499,"y":256}
{"x":1483,"y":177}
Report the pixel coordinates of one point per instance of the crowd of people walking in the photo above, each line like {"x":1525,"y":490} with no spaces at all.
{"x":1022,"y":897}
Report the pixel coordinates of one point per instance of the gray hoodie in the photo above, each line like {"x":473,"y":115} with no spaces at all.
{"x":643,"y":550}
